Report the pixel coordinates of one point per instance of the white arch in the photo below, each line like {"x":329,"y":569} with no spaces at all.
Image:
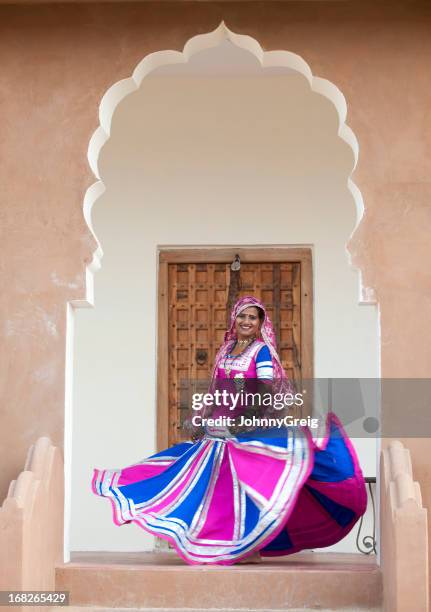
{"x":113,"y":97}
{"x":267,"y":59}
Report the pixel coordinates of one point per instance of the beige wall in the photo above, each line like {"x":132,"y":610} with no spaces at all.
{"x":218,"y":152}
{"x":57,"y":62}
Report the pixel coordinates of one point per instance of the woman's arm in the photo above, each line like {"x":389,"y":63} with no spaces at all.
{"x":264,"y":366}
{"x":264,"y":374}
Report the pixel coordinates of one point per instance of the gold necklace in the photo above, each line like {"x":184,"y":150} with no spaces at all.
{"x":246,"y":341}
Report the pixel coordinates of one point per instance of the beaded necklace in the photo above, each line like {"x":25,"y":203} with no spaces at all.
{"x":229,"y":367}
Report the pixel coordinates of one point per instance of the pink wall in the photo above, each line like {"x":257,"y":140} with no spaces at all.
{"x":58,"y":61}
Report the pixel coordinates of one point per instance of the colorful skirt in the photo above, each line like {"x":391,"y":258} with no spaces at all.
{"x":219,"y":500}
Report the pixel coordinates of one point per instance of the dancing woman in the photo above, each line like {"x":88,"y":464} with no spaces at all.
{"x":231,"y":494}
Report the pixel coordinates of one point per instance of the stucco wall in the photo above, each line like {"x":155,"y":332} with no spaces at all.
{"x":57,"y":62}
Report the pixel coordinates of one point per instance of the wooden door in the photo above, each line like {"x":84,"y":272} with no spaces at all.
{"x":196,"y":293}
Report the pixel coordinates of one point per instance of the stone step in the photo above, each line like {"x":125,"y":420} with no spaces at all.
{"x":162,"y":581}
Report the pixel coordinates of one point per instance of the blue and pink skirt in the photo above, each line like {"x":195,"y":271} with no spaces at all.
{"x":218,"y":500}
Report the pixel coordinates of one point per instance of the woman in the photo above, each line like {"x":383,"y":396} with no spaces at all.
{"x":241,"y":491}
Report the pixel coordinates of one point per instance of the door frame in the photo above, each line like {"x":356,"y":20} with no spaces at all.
{"x":225,"y":254}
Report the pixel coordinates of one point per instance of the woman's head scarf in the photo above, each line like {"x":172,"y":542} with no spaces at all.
{"x":281,"y":383}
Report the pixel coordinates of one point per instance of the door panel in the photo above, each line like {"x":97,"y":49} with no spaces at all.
{"x":197,"y":298}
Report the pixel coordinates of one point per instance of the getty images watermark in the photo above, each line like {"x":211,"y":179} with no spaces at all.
{"x":365,"y":407}
{"x":236,"y":401}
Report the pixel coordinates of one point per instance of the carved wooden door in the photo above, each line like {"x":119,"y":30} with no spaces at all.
{"x":197,"y":296}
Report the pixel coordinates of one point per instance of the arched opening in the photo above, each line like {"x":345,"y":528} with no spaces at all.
{"x":222,"y":144}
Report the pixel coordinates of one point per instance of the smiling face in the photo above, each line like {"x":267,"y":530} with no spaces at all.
{"x":247,"y":323}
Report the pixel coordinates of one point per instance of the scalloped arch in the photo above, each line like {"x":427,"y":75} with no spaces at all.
{"x":115,"y":94}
